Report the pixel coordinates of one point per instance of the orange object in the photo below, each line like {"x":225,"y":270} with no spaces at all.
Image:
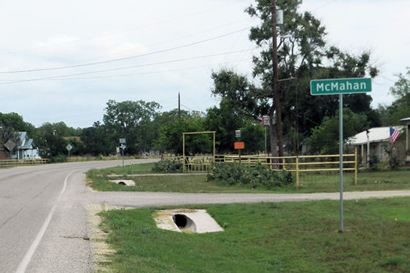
{"x":239,"y":145}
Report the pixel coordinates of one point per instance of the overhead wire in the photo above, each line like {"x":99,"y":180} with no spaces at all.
{"x":127,"y":57}
{"x":131,"y":67}
{"x":61,"y":78}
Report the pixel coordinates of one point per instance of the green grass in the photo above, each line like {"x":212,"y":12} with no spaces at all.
{"x":285,"y":237}
{"x":386,"y":180}
{"x":380,"y":180}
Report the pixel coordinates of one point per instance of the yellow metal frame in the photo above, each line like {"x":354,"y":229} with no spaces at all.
{"x":294,"y":164}
{"x":198,"y":133}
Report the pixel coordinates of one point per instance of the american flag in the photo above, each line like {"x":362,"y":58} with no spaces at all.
{"x":394,"y":134}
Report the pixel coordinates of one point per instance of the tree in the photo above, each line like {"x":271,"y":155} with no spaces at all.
{"x":15,"y":122}
{"x":325,"y":139}
{"x":303,"y":55}
{"x":97,"y":140}
{"x":400,"y":108}
{"x":51,"y":138}
{"x":228,"y":118}
{"x":131,"y":120}
{"x":170,"y":133}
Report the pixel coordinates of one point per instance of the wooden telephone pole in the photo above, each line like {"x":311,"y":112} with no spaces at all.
{"x":276,"y":96}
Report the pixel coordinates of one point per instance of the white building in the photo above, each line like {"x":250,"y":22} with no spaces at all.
{"x":378,"y":141}
{"x":25,"y":148}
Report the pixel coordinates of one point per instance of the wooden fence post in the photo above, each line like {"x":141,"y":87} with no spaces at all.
{"x":297,"y":173}
{"x":355,"y":165}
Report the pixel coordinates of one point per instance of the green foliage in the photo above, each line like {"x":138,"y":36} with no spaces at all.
{"x":400,"y":108}
{"x":97,"y":140}
{"x":392,"y":153}
{"x":171,"y":127}
{"x":167,"y":166}
{"x":52,"y":138}
{"x":58,"y":158}
{"x":131,"y":120}
{"x":325,"y":138}
{"x":302,"y":55}
{"x":227,"y":118}
{"x":10,"y":124}
{"x":257,"y":176}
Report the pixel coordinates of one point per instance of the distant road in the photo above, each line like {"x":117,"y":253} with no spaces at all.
{"x":43,"y":217}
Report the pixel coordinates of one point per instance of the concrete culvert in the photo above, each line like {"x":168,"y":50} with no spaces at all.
{"x":184,"y":223}
{"x":186,"y":220}
{"x":124,"y":182}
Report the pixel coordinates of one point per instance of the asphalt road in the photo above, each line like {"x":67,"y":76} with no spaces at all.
{"x":42,"y":226}
{"x":43,"y":216}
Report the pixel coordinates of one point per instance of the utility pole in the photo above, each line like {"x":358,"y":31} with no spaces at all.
{"x":179,"y":104}
{"x":276,"y":96}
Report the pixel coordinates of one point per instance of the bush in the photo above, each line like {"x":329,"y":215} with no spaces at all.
{"x":253,"y":176}
{"x":58,"y":159}
{"x":167,"y":166}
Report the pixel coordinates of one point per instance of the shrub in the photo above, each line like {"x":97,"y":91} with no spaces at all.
{"x":58,"y":159}
{"x":253,"y":176}
{"x":167,"y":166}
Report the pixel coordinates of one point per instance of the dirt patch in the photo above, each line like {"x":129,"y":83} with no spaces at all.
{"x":101,"y":251}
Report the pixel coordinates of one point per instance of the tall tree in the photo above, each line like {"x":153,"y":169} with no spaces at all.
{"x":302,"y":55}
{"x":131,"y":120}
{"x":400,"y":108}
{"x":171,"y":126}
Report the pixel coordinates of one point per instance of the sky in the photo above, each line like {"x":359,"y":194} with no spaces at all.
{"x":159,"y":48}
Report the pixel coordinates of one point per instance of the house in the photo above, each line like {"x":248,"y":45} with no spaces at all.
{"x":374,"y":143}
{"x":24,"y":148}
{"x":406,"y":123}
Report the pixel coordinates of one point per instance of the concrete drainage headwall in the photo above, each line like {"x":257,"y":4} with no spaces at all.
{"x":124,"y":182}
{"x":186,"y":220}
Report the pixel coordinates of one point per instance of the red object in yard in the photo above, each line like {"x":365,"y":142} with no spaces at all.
{"x":239,"y":145}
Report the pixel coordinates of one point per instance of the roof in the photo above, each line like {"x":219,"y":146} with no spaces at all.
{"x":405,"y":120}
{"x":379,"y":134}
{"x":24,"y":142}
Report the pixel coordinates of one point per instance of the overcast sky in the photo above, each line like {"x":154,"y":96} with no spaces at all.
{"x":175,"y":46}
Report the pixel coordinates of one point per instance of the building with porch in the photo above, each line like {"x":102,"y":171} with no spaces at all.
{"x":406,"y":123}
{"x":373,"y":145}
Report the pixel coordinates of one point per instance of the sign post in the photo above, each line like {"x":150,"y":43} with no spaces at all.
{"x":239,"y":145}
{"x":69,"y":147}
{"x":340,"y":87}
{"x":123,"y":141}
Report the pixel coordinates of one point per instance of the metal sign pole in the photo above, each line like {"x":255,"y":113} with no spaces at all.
{"x":122,"y":155}
{"x":341,"y":220}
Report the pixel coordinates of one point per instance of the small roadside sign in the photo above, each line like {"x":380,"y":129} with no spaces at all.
{"x":265,"y":120}
{"x":239,"y":145}
{"x":123,"y":146}
{"x":237,"y":133}
{"x":10,"y":145}
{"x":123,"y":141}
{"x":69,"y":147}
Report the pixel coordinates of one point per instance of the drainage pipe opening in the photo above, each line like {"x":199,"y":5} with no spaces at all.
{"x":183,"y":222}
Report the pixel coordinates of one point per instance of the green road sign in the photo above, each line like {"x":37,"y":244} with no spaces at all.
{"x":340,"y":86}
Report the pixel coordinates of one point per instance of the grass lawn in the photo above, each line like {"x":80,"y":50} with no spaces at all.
{"x":386,"y":180}
{"x":284,"y":237}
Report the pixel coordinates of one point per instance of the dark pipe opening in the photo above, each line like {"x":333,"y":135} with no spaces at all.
{"x":180,"y":220}
{"x":122,"y":183}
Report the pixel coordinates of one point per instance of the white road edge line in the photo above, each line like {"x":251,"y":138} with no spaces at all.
{"x":30,"y":252}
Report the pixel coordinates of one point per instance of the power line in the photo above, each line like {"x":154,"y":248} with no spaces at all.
{"x":61,"y":78}
{"x":138,"y":66}
{"x":128,"y":57}
{"x":128,"y":67}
